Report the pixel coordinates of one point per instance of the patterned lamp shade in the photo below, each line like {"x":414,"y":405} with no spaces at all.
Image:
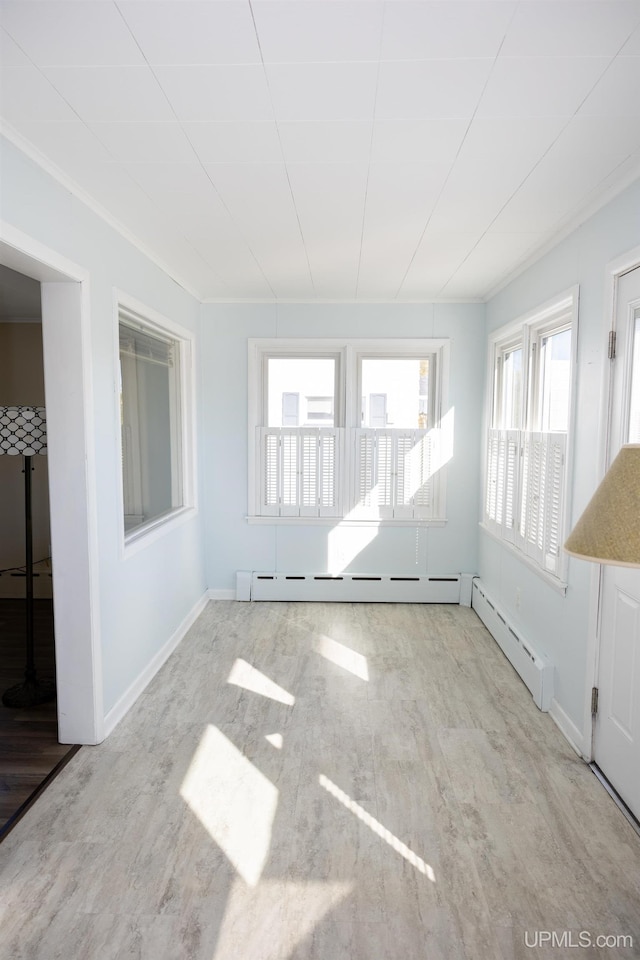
{"x":609,"y":529}
{"x":23,"y":431}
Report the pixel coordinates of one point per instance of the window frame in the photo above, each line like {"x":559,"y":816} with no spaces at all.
{"x":529,"y":330}
{"x":347,"y":416}
{"x":138,"y":315}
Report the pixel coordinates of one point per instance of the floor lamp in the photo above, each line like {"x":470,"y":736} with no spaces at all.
{"x":609,"y":529}
{"x":23,"y":432}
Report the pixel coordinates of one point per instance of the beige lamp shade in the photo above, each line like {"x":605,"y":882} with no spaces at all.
{"x":609,"y":529}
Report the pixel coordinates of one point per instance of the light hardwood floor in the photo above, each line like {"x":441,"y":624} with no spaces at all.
{"x":324,"y":782}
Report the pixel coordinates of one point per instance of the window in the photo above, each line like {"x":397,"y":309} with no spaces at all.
{"x":153,"y":412}
{"x":527,"y":439}
{"x":346,"y":429}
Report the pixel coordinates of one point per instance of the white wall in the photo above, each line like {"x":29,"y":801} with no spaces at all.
{"x":559,"y":626}
{"x":232,"y":543}
{"x":144,"y":598}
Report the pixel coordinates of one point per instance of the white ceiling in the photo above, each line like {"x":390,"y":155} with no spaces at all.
{"x":330,"y":149}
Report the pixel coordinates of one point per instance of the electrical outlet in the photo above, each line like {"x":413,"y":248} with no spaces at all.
{"x":518,"y":597}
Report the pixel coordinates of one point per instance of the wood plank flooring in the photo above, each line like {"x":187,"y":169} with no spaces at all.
{"x":29,"y":748}
{"x":324,"y":782}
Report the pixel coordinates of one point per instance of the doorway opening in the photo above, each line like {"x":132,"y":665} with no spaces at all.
{"x":29,"y":748}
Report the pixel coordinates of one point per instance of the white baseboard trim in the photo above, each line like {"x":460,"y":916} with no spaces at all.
{"x":221,"y":594}
{"x":129,"y":697}
{"x":569,"y":730}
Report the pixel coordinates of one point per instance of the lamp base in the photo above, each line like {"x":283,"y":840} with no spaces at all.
{"x":31,"y":693}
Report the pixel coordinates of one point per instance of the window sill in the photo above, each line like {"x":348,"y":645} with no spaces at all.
{"x":560,"y":586}
{"x":138,"y":539}
{"x":342,"y":522}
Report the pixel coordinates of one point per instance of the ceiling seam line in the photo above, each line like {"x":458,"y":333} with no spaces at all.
{"x":200,"y":164}
{"x":460,"y":146}
{"x":284,"y":160}
{"x":541,"y":158}
{"x":371,"y":138}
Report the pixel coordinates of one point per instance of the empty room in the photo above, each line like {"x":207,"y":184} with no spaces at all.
{"x":320,"y":466}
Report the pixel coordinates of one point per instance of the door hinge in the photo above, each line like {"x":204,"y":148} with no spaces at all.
{"x":612,"y":345}
{"x":594,"y":701}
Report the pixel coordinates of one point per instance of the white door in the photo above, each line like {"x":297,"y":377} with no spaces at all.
{"x":617,"y":730}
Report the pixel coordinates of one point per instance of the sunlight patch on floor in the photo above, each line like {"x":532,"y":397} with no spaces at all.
{"x":245,"y":676}
{"x":377,"y":827}
{"x":234,"y":802}
{"x":343,"y":656}
{"x":275,"y":917}
{"x":275,"y":739}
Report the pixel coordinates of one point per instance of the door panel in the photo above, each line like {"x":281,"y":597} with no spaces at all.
{"x":617,"y":730}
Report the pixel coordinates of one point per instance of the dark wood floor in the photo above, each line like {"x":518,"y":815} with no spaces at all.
{"x":29,"y":748}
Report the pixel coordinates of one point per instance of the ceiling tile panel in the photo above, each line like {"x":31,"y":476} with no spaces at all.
{"x":246,"y":142}
{"x":322,"y":91}
{"x":573,"y":29}
{"x":28,"y":97}
{"x":233,"y":262}
{"x":111,"y":93}
{"x":71,"y":146}
{"x":160,"y":142}
{"x":431,"y":141}
{"x":10,"y":53}
{"x":539,"y":86}
{"x":475,"y":192}
{"x":431,"y":88}
{"x":258,"y":198}
{"x":439,"y":255}
{"x":182,"y":190}
{"x":618,"y":92}
{"x":632,"y":46}
{"x":330,"y":199}
{"x":69,"y":33}
{"x":319,"y":31}
{"x":587,"y":152}
{"x":329,"y":142}
{"x":496,"y":251}
{"x":400,"y":199}
{"x":187,"y":32}
{"x":420,"y":31}
{"x":510,"y":141}
{"x":231,"y":93}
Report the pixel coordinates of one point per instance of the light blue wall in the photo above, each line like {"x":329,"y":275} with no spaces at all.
{"x":556,"y":625}
{"x":233,"y":544}
{"x":144,"y":598}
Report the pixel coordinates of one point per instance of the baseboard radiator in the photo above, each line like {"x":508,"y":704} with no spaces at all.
{"x":352,"y":588}
{"x":535,"y":670}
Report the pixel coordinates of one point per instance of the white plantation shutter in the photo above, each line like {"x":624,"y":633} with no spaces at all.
{"x":491,"y":496}
{"x":270,"y":471}
{"x":554,"y":501}
{"x":543,"y":492}
{"x":501,"y":501}
{"x":299,"y":467}
{"x":365,"y":468}
{"x":533,"y":494}
{"x":393,"y":473}
{"x":511,"y":476}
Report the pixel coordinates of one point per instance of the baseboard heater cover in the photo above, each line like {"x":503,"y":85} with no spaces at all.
{"x":350,"y":588}
{"x":535,"y":670}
